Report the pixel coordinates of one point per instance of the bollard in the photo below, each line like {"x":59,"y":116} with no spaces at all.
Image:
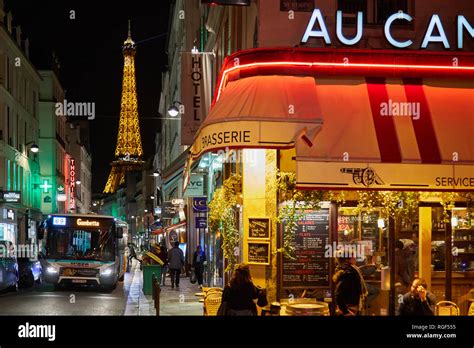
{"x":156,"y":293}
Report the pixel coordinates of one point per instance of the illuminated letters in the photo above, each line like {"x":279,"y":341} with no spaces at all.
{"x":435,"y":21}
{"x":323,"y":32}
{"x":463,"y":23}
{"x":339,"y":33}
{"x":388,"y":34}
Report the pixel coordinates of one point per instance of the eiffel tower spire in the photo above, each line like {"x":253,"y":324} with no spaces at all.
{"x":129,"y":151}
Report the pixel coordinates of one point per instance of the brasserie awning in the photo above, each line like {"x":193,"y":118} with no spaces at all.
{"x":411,"y":129}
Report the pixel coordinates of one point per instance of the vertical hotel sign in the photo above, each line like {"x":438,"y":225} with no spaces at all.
{"x":195,"y":93}
{"x":72,"y":183}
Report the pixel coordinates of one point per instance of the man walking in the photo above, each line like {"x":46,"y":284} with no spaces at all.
{"x":176,"y":263}
{"x":199,"y":260}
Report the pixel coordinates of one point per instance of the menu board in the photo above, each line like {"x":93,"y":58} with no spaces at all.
{"x":370,"y":229}
{"x":310,"y":269}
{"x":259,"y":228}
{"x":259,"y":253}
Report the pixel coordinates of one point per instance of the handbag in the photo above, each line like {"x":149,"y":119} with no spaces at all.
{"x":261,"y":296}
{"x":224,"y":309}
{"x":193,"y":278}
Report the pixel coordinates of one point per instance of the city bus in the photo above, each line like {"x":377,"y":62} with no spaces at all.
{"x":84,"y":250}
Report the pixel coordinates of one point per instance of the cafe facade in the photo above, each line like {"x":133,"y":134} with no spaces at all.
{"x":371,"y":145}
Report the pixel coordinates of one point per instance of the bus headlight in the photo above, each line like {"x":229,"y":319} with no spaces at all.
{"x":51,"y":270}
{"x":106,"y":272}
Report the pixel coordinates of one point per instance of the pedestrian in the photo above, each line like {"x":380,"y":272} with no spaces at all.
{"x":199,"y":260}
{"x":176,"y":263}
{"x":350,"y":291}
{"x":240,"y":294}
{"x":164,"y":269}
{"x":419,"y":301}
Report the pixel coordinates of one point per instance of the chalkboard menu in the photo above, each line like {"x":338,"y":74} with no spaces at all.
{"x":310,"y":269}
{"x":259,"y":228}
{"x":259,"y":253}
{"x":370,"y":229}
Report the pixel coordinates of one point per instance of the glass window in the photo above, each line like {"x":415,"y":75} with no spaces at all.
{"x":69,"y":243}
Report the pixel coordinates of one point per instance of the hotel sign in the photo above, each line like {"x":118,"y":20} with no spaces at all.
{"x":434,"y":32}
{"x":384,"y":176}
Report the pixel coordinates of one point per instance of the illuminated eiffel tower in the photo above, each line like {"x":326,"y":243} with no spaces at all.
{"x":129,"y":151}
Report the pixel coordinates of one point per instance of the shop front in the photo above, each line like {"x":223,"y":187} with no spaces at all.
{"x":346,"y":149}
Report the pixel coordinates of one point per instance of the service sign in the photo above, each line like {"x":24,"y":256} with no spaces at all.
{"x":384,"y":176}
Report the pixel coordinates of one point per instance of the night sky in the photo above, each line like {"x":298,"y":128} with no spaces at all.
{"x":91,"y":61}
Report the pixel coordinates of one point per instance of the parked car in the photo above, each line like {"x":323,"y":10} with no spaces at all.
{"x":30,"y":272}
{"x":9,"y":274}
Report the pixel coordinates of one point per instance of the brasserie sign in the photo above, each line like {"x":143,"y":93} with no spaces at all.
{"x":434,"y":32}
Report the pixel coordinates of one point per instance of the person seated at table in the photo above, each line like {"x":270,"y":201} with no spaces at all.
{"x":419,"y":301}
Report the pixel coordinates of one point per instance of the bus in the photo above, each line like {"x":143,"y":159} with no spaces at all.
{"x":84,"y":250}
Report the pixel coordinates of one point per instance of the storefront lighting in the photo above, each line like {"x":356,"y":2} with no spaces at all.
{"x":224,"y":79}
{"x":381,"y":223}
{"x":94,"y":204}
{"x":454,"y":221}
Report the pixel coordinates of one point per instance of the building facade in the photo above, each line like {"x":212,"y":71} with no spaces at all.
{"x":336,"y":69}
{"x":52,"y":142}
{"x":19,"y":124}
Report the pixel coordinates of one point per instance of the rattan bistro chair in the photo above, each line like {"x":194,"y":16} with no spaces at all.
{"x":212,"y":301}
{"x":447,"y":308}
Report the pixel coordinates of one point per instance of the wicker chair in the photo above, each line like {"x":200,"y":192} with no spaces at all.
{"x":212,"y":301}
{"x":447,"y":308}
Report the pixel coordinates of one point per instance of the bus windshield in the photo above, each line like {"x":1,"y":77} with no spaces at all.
{"x":77,"y":244}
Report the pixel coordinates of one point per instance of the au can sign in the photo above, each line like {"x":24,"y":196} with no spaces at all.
{"x":11,"y":196}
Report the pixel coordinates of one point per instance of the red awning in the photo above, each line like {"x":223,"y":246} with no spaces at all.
{"x":351,"y":128}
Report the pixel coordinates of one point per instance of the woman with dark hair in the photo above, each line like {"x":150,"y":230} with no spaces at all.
{"x":241,"y":293}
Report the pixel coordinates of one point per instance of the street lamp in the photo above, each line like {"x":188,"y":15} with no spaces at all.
{"x":78,"y":182}
{"x":152,"y":197}
{"x":156,"y":173}
{"x":173,"y":110}
{"x":34,"y":147}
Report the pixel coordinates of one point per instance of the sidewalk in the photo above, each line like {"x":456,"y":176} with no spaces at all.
{"x":177,"y":301}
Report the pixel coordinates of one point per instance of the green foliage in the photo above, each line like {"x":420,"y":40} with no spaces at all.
{"x":295,"y":203}
{"x":222,"y":217}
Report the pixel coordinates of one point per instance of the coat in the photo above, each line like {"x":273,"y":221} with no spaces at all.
{"x":176,"y":258}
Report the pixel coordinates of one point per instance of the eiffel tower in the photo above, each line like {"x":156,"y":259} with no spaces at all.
{"x":129,"y":151}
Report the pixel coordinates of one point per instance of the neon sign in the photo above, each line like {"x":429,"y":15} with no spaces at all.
{"x":81,"y":222}
{"x":72,"y":183}
{"x":434,"y":26}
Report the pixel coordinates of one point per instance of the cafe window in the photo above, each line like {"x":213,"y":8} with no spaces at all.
{"x":375,"y":11}
{"x":350,"y":8}
{"x":385,"y":8}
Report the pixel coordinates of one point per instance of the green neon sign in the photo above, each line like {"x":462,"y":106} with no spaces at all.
{"x":46,"y":186}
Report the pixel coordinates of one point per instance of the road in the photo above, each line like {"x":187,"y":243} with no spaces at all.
{"x":44,"y":300}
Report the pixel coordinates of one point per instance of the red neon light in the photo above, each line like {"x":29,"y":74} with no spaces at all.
{"x":345,"y":65}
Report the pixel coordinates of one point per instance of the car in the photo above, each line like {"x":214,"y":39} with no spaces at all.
{"x":9,"y":274}
{"x":30,"y":272}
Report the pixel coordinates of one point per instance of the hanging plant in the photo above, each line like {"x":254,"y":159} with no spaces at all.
{"x":222,"y":217}
{"x":295,"y":202}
